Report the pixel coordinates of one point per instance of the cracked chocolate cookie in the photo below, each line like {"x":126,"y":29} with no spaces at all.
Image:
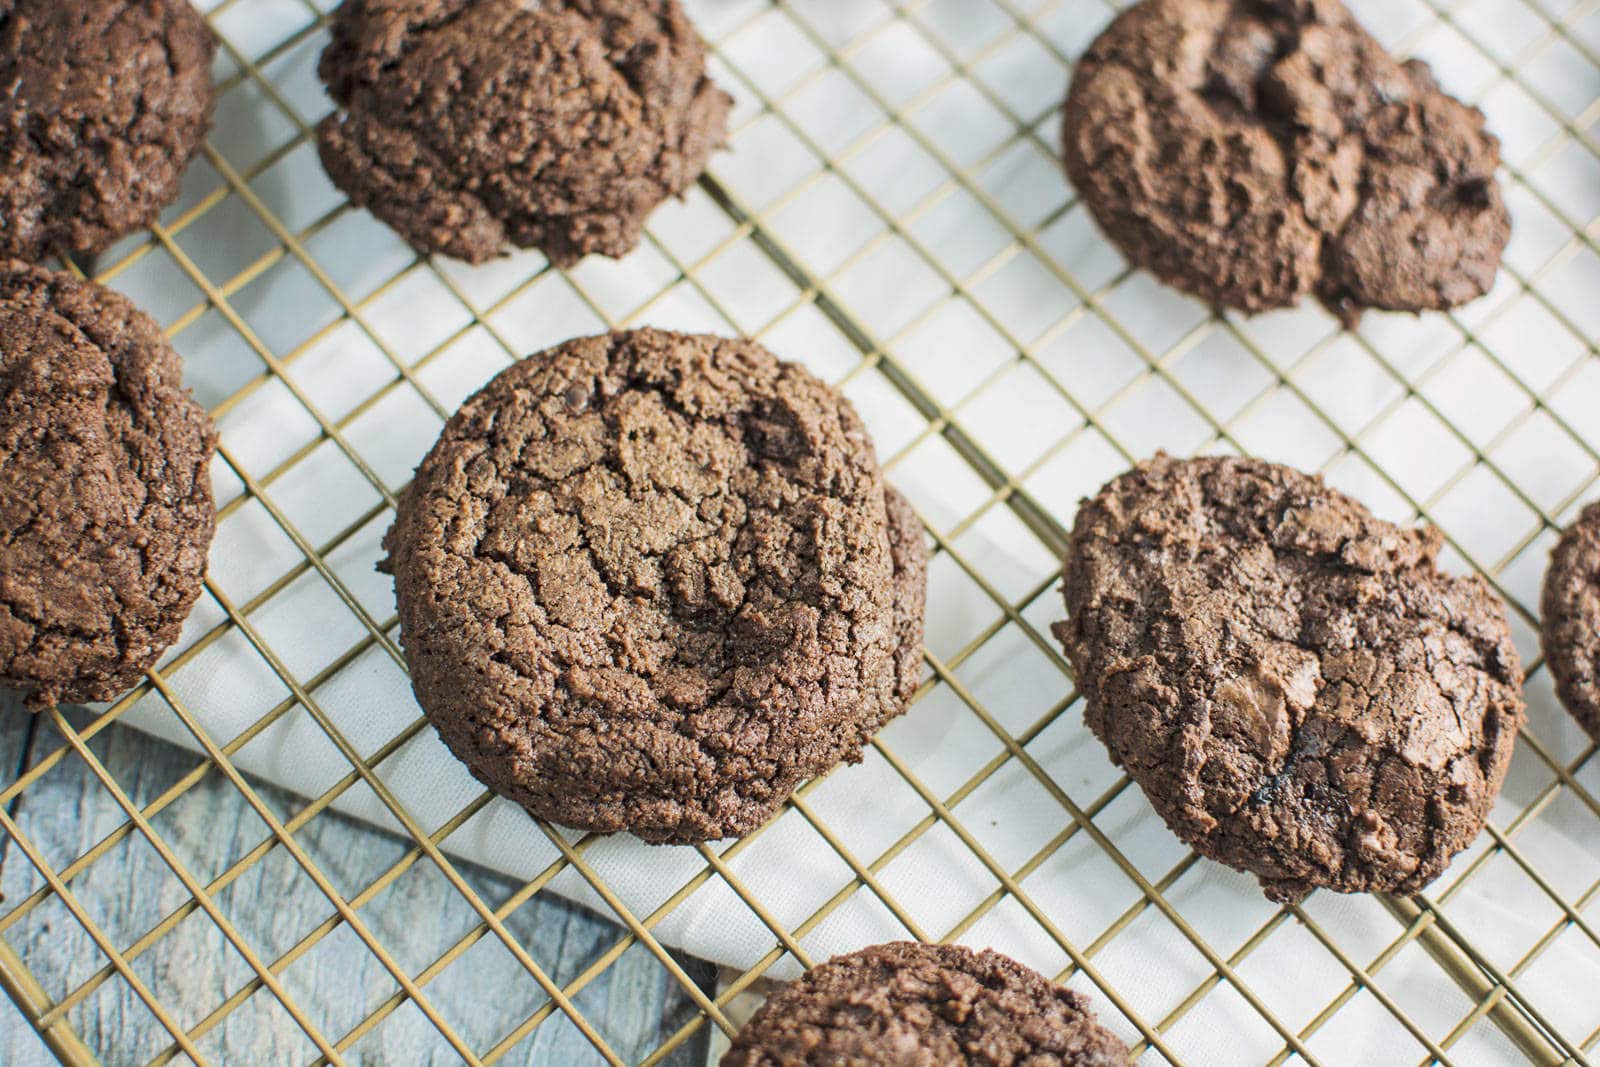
{"x":910,"y":1004}
{"x":1572,"y":619}
{"x":1298,"y":689}
{"x":104,"y":103}
{"x":470,"y":125}
{"x":105,"y":490}
{"x":1253,"y":151}
{"x":650,"y":582}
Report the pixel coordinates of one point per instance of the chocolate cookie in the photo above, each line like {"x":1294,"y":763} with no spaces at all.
{"x":647,"y":582}
{"x":104,"y":104}
{"x":468,"y":125}
{"x":1572,"y":619}
{"x":1253,"y":151}
{"x":911,"y":1005}
{"x":1298,"y":689}
{"x":105,"y":493}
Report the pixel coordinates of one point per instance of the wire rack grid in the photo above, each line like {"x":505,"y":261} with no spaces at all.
{"x":891,"y":212}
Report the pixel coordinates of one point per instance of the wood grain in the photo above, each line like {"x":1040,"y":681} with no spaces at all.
{"x":634,"y":1004}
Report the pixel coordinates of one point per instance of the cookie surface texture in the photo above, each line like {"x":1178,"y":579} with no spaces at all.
{"x":909,"y":557}
{"x":1298,"y":689}
{"x":472,"y":125}
{"x":1253,"y":152}
{"x":103,"y":104}
{"x":910,"y":1005}
{"x":647,"y":582}
{"x":106,"y":510}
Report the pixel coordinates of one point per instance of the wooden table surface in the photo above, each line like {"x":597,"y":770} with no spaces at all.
{"x":634,"y":1003}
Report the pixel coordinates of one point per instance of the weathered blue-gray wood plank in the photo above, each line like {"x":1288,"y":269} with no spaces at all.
{"x":634,"y":1004}
{"x":19,"y":1045}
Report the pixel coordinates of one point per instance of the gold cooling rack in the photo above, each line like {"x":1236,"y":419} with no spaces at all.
{"x":930,"y":126}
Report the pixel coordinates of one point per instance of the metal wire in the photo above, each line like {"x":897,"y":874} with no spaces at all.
{"x":1495,"y":989}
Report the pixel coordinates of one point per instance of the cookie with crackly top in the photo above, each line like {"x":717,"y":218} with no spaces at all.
{"x":1300,"y":691}
{"x":104,"y":104}
{"x":472,"y":125}
{"x":910,"y":1005}
{"x":1571,"y":610}
{"x":651,"y":581}
{"x":106,"y":511}
{"x":1253,"y":152}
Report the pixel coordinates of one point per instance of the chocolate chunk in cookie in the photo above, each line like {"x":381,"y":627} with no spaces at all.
{"x":1572,"y":619}
{"x":1253,"y":151}
{"x":105,"y":489}
{"x":905,"y":1003}
{"x":1299,"y":690}
{"x":649,"y":582}
{"x":104,"y":104}
{"x":470,"y":125}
